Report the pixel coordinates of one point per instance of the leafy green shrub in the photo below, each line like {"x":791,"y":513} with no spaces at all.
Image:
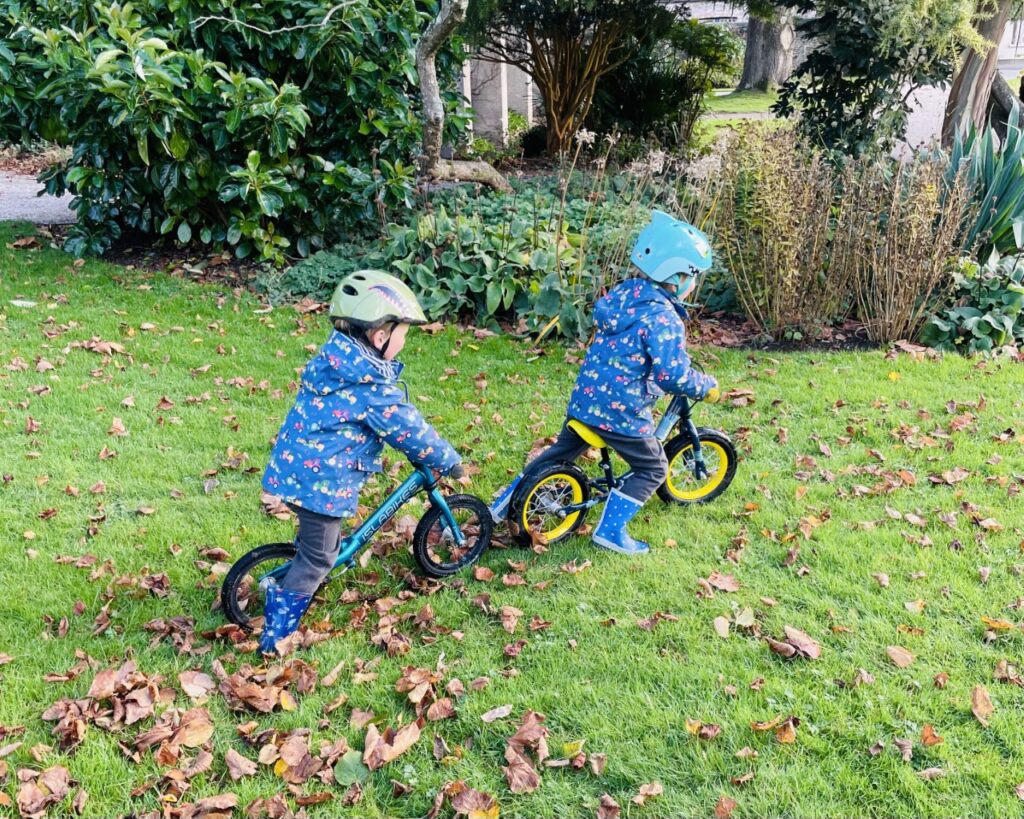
{"x":216,"y":130}
{"x":517,"y":126}
{"x":717,"y":291}
{"x":987,"y":312}
{"x":807,"y":242}
{"x":462,"y":265}
{"x":535,"y":259}
{"x":851,"y":91}
{"x":995,"y":172}
{"x":901,"y":230}
{"x":773,"y":221}
{"x":659,"y":91}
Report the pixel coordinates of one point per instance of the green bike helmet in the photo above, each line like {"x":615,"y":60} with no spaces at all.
{"x":372,"y":298}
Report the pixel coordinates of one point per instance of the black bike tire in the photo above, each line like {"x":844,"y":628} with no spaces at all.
{"x":527,"y":485}
{"x":680,"y":442}
{"x":421,"y":549}
{"x":242,"y":567}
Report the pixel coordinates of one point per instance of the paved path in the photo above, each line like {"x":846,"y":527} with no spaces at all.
{"x":18,"y":202}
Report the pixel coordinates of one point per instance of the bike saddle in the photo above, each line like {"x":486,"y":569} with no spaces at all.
{"x":589,"y":436}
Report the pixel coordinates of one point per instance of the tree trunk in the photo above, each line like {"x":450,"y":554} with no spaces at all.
{"x":972,"y":82}
{"x":768,"y":59}
{"x":566,"y":68}
{"x":451,"y":14}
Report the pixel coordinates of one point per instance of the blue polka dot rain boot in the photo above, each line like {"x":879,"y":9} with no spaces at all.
{"x":282,"y":611}
{"x":499,"y":506}
{"x":611,"y":533}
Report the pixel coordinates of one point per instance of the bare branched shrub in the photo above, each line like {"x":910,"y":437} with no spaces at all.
{"x":901,"y":236}
{"x":773,"y":220}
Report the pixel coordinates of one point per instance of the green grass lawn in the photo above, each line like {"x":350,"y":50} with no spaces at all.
{"x":209,"y":376}
{"x":741,"y":102}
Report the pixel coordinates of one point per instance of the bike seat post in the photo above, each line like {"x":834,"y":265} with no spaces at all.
{"x":606,"y":466}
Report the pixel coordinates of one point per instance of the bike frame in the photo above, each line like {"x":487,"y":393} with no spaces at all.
{"x":678,"y":413}
{"x":420,"y":480}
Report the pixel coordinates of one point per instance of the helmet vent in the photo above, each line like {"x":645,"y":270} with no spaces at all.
{"x":648,"y":251}
{"x":359,"y":277}
{"x":349,"y":290}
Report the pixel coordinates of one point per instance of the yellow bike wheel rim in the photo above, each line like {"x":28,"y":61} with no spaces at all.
{"x":717,"y":461}
{"x":548,"y":483}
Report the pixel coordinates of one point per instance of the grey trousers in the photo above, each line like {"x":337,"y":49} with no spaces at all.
{"x":645,"y":456}
{"x":317,"y":542}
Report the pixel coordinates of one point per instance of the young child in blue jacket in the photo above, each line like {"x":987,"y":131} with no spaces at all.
{"x":349,"y":404}
{"x":638,"y":354}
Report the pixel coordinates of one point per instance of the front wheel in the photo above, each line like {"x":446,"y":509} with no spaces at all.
{"x":434,"y":545}
{"x":537,"y":510}
{"x":683,"y":486}
{"x":240,"y":595}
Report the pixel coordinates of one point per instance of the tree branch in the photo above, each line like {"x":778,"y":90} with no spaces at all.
{"x":199,"y":22}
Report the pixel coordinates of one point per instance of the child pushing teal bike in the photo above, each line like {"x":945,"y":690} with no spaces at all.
{"x":350,"y":403}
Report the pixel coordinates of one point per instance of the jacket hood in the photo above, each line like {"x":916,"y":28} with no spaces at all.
{"x":629,"y":302}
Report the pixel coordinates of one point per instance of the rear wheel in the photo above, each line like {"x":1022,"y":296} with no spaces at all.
{"x":240,"y":594}
{"x":682,"y":486}
{"x":536,"y":513}
{"x":434,"y":545}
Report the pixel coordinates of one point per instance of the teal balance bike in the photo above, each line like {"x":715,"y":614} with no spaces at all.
{"x":452,"y":534}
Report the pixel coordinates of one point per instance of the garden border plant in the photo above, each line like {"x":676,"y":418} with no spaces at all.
{"x":235,"y":131}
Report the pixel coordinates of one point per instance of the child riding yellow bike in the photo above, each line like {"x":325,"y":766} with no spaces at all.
{"x":638,"y":354}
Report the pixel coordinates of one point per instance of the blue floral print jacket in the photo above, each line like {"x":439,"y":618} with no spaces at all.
{"x":349,"y":403}
{"x":638,"y":355}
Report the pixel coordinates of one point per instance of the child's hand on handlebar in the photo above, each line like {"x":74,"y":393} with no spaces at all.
{"x":457,"y":472}
{"x":713,"y":396}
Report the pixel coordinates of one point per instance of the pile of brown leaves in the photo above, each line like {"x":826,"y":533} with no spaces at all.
{"x":420,"y":684}
{"x":521,"y":775}
{"x":39,"y":790}
{"x":264,"y":689}
{"x":131,"y":697}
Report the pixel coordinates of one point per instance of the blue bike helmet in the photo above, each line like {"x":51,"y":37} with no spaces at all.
{"x":668,"y":249}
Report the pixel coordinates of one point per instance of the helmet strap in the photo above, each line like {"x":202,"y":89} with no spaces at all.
{"x":383,"y":349}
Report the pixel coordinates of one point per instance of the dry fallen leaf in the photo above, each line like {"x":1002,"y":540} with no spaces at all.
{"x":500,"y":712}
{"x":802,"y":642}
{"x":379,"y":749}
{"x":723,"y":582}
{"x":929,"y":737}
{"x":196,"y":684}
{"x":520,"y":774}
{"x":608,"y":808}
{"x":786,"y":732}
{"x":648,"y":791}
{"x":900,"y":656}
{"x":981,"y":704}
{"x":724,"y":807}
{"x":928,"y":774}
{"x":780,"y":648}
{"x":905,"y":747}
{"x":721,"y":625}
{"x":238,"y":765}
